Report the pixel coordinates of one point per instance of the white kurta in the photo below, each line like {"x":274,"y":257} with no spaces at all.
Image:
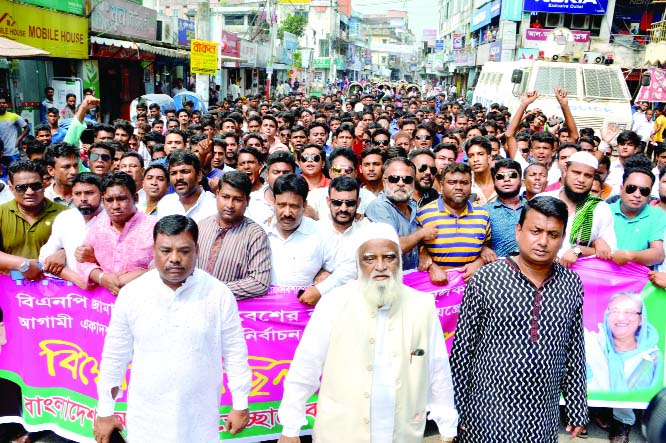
{"x":176,"y":341}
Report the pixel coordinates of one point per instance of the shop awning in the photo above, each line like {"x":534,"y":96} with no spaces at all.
{"x":165,"y":52}
{"x":655,"y":53}
{"x":10,"y":48}
{"x":228,"y":58}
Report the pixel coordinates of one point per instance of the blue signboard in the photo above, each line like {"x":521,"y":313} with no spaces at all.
{"x":439,"y":45}
{"x":591,"y":7}
{"x":495,"y":7}
{"x":480,"y":17}
{"x":185,"y":32}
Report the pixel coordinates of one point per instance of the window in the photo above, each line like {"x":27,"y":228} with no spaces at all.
{"x":384,"y":40}
{"x":323,"y":48}
{"x":234,"y":20}
{"x":551,"y":77}
{"x":603,"y":83}
{"x":175,"y":12}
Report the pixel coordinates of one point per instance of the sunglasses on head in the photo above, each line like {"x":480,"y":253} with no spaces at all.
{"x":381,"y":142}
{"x":348,"y":203}
{"x":630,"y":189}
{"x":312,"y":157}
{"x":406,"y":179}
{"x":21,"y":189}
{"x":95,"y":156}
{"x":424,"y":168}
{"x":505,"y":175}
{"x":423,"y":137}
{"x":339,"y":170}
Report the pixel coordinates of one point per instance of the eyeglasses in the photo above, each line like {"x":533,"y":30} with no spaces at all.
{"x":505,"y":175}
{"x":630,"y":189}
{"x":339,"y":170}
{"x":311,"y":158}
{"x":423,"y":137}
{"x":525,"y":150}
{"x":95,"y":156}
{"x":406,"y":179}
{"x":424,"y":168}
{"x":36,"y":186}
{"x":286,"y":134}
{"x":381,"y":142}
{"x":348,"y":203}
{"x":615,"y":312}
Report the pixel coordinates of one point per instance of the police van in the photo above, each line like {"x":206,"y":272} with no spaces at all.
{"x":597,"y":93}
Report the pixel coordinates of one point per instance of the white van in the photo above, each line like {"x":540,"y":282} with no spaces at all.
{"x":598,"y":94}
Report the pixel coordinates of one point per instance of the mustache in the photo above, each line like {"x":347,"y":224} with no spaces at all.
{"x":288,"y":218}
{"x":178,"y":267}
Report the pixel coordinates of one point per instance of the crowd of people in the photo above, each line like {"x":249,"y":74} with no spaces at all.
{"x":340,"y":195}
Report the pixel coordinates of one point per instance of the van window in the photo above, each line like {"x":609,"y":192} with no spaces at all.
{"x":551,"y":77}
{"x":603,"y":83}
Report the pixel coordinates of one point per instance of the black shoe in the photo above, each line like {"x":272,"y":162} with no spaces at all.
{"x":619,"y":432}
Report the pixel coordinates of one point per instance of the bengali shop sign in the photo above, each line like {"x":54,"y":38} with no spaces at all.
{"x":592,"y":7}
{"x":541,"y":35}
{"x":203,"y":57}
{"x":69,"y":6}
{"x":62,"y":35}
{"x":123,"y":18}
{"x":55,"y":335}
{"x":185,"y":32}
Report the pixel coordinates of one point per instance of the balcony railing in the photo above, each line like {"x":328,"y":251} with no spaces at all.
{"x":658,"y":32}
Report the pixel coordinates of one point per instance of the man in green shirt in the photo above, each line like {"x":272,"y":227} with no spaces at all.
{"x":25,"y":222}
{"x":639,"y":228}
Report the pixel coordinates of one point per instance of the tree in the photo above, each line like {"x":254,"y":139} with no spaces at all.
{"x":294,"y":24}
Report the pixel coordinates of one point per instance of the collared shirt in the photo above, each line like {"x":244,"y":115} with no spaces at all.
{"x":635,"y":234}
{"x":10,"y":126}
{"x":481,"y":198}
{"x":323,"y":183}
{"x":429,"y":196}
{"x":129,"y":250}
{"x":503,"y":221}
{"x":205,"y":206}
{"x":18,"y":236}
{"x":614,"y":178}
{"x":460,"y":238}
{"x":240,"y":256}
{"x":52,"y":195}
{"x":259,"y":209}
{"x":382,"y":210}
{"x":179,"y":342}
{"x":68,"y":232}
{"x":297,"y":259}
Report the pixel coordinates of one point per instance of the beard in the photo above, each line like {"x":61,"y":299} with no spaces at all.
{"x":575,"y":197}
{"x":383,"y":292}
{"x":507,"y":195}
{"x":662,"y":198}
{"x":399,"y":196}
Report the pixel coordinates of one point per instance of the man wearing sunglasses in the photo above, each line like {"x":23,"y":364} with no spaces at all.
{"x":100,"y":158}
{"x":394,"y":206}
{"x":26,"y":221}
{"x":426,"y":171}
{"x":639,"y":227}
{"x":505,"y":211}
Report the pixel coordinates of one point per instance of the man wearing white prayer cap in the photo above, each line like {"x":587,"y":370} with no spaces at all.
{"x":378,"y":348}
{"x":590,"y":224}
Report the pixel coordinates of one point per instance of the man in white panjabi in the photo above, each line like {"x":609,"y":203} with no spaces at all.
{"x":378,"y":347}
{"x":177,"y":324}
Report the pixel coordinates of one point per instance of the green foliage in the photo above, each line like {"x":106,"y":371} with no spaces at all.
{"x":294,"y":24}
{"x":298,"y":59}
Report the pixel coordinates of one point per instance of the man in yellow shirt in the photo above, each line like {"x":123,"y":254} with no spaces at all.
{"x":659,"y":125}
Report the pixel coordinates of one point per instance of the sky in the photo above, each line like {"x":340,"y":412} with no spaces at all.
{"x":422,"y":13}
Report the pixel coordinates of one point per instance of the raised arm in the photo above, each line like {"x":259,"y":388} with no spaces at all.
{"x":514,"y":124}
{"x":561,"y":96}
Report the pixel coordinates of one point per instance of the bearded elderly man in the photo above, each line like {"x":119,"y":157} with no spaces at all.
{"x":378,"y":348}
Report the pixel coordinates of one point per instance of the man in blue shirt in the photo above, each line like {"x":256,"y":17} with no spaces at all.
{"x":505,"y":211}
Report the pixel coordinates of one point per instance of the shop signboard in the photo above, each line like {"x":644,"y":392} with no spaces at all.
{"x":248,"y":52}
{"x":480,"y":17}
{"x":203,"y":57}
{"x":322,"y":63}
{"x":123,"y":18}
{"x":75,"y":7}
{"x":511,"y":10}
{"x":495,"y":51}
{"x":62,"y":35}
{"x":185,"y":32}
{"x":229,"y":44}
{"x":457,"y":42}
{"x":591,"y":7}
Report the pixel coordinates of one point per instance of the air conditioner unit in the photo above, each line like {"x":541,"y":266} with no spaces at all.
{"x":596,"y":58}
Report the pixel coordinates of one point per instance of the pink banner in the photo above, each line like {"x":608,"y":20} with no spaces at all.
{"x":537,"y":34}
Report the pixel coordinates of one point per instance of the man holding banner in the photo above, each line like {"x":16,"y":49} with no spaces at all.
{"x":176,"y":324}
{"x":519,"y":339}
{"x":379,"y":349}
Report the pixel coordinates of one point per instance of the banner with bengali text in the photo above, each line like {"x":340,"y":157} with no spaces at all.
{"x":55,"y":335}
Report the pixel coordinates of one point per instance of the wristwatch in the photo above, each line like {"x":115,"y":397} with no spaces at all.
{"x":576,"y":250}
{"x":24,"y":267}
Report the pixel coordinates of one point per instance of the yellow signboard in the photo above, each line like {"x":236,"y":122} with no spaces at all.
{"x":203,"y":57}
{"x":62,"y":35}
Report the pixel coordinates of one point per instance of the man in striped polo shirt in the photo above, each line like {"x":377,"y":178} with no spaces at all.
{"x":463,"y":229}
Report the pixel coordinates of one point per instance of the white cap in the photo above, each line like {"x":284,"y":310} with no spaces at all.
{"x":377,"y":231}
{"x":584,"y":158}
